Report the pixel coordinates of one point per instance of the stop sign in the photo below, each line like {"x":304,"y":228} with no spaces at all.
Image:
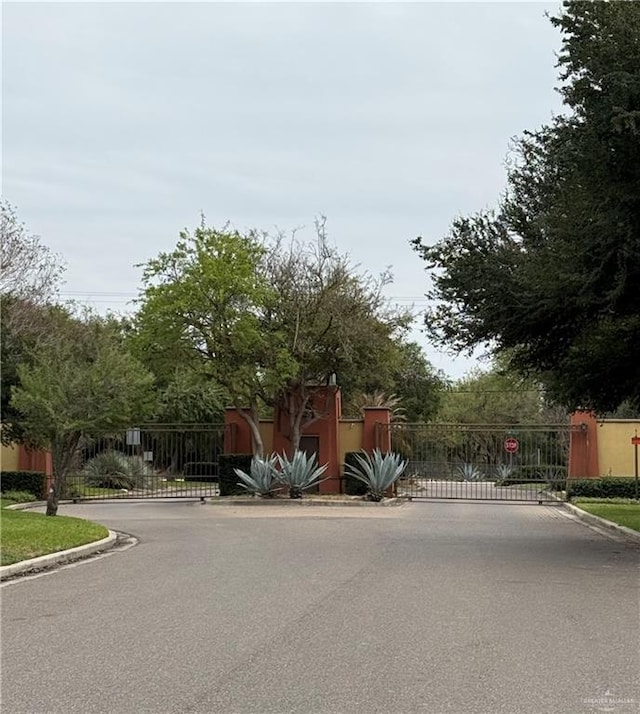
{"x":511,"y":445}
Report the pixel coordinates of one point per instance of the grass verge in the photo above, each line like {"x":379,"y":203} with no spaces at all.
{"x":624,"y":512}
{"x":27,"y":535}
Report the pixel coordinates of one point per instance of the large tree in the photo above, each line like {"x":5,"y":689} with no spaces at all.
{"x":200,"y":308}
{"x":551,"y":277}
{"x":30,"y":276}
{"x":267,"y":318}
{"x":404,"y":379}
{"x":329,"y":319}
{"x":79,"y":383}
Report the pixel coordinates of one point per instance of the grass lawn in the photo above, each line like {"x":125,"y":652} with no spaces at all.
{"x":27,"y":535}
{"x":624,"y":512}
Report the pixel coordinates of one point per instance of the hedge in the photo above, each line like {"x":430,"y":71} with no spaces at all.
{"x":31,"y":481}
{"x":227,"y":477}
{"x":352,"y":486}
{"x":608,"y":487}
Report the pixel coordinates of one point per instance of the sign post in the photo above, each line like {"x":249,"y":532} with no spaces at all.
{"x":511,"y":446}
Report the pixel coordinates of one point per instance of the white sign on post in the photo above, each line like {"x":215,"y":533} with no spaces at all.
{"x":133,"y":437}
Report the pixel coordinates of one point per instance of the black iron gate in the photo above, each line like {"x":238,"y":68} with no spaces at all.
{"x":158,"y":461}
{"x":482,"y":462}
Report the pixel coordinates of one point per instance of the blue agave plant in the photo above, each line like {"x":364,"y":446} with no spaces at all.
{"x":299,"y":473}
{"x":261,"y":480}
{"x":504,"y":472}
{"x":377,"y":471}
{"x":469,"y":472}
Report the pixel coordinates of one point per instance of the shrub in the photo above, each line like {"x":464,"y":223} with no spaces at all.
{"x":378,"y":472}
{"x":227,"y":478}
{"x":299,"y":473}
{"x":32,"y":481}
{"x":19,"y":496}
{"x":111,"y":469}
{"x":609,"y":487}
{"x":261,"y":480}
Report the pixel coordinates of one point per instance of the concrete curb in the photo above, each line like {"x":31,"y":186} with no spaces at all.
{"x":302,"y":502}
{"x":62,"y":556}
{"x":592,"y":520}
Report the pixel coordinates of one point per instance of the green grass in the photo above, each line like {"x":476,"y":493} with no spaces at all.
{"x":27,"y":535}
{"x":624,"y":512}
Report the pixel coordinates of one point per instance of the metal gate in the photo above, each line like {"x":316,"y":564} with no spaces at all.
{"x":482,"y":462}
{"x":159,"y":461}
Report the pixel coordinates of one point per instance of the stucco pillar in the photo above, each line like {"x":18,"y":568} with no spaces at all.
{"x":377,"y":432}
{"x":583,"y":448}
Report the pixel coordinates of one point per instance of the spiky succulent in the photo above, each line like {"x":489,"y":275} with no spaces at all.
{"x":112,"y":469}
{"x":504,"y":472}
{"x":377,"y":471}
{"x":261,"y":480}
{"x":469,"y":472}
{"x":299,"y":473}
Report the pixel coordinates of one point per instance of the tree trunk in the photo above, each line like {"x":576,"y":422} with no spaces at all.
{"x":63,"y":450}
{"x":253,"y":420}
{"x":296,"y":432}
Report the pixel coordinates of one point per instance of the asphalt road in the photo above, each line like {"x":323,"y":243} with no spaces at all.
{"x":430,"y":607}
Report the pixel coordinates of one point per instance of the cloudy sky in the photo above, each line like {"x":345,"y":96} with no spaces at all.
{"x":123,"y":121}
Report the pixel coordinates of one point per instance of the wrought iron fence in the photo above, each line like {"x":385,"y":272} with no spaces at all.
{"x":158,"y":461}
{"x":486,"y":462}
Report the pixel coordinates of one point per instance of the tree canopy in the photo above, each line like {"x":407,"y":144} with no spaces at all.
{"x":497,"y":396}
{"x":30,"y":276}
{"x":265,"y":317}
{"x":550,"y":278}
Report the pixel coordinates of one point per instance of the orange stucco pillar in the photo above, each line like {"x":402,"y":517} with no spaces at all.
{"x":37,"y":460}
{"x":326,"y":402}
{"x":376,"y":432}
{"x":583,"y":448}
{"x":328,"y":433}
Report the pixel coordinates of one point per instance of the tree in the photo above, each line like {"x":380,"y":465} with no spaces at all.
{"x":328,"y":319}
{"x":201,"y":306}
{"x":81,"y":384}
{"x":497,"y":396}
{"x":28,"y":269}
{"x":268,"y":320}
{"x":30,"y":275}
{"x":551,"y":277}
{"x":404,"y":381}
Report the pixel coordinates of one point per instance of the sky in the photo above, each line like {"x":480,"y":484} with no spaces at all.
{"x":122,"y":122}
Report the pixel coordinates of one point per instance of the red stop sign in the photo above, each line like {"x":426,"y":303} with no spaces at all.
{"x":511,"y":445}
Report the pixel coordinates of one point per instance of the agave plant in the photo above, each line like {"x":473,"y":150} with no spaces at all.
{"x":111,"y":469}
{"x":469,"y":472}
{"x":261,"y":480}
{"x":378,"y":472}
{"x":504,"y":472}
{"x":299,"y":473}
